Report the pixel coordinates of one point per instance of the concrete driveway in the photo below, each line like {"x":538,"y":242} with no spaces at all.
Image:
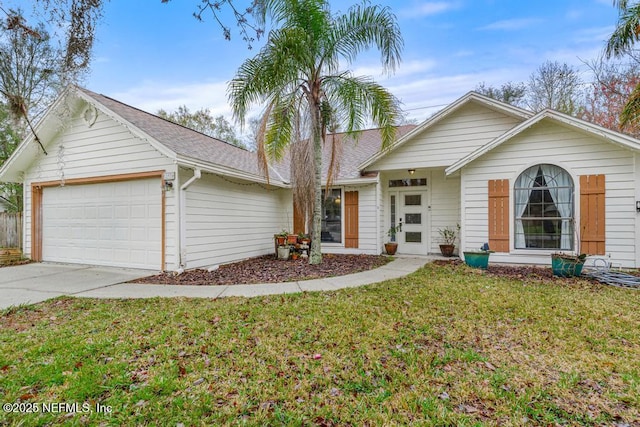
{"x":36,"y":282}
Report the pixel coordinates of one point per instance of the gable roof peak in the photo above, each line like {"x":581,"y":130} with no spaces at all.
{"x":466,"y":99}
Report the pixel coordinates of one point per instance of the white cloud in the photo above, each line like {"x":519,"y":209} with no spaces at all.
{"x":511,"y":24}
{"x":424,"y":96}
{"x":428,"y":9}
{"x":152,"y":96}
{"x":405,"y":68}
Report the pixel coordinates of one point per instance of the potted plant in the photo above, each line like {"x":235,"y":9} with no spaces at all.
{"x":284,"y":252}
{"x":304,"y":239}
{"x":448,"y":236}
{"x":281,"y":237}
{"x":569,"y":264}
{"x":391,"y":247}
{"x":478,"y":259}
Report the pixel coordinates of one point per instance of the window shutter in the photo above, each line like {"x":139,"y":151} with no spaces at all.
{"x":592,"y":224}
{"x":351,"y":219}
{"x":499,"y":215}
{"x":298,"y":219}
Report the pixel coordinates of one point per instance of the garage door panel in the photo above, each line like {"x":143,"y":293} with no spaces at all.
{"x":114,"y":223}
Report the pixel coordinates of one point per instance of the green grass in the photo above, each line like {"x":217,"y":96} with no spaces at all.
{"x":444,"y":346}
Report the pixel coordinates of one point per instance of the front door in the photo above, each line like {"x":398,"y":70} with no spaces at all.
{"x":409,"y":208}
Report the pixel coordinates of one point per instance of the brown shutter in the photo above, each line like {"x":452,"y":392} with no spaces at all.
{"x":592,"y":224}
{"x":351,"y":219}
{"x":499,"y":215}
{"x":298,"y":219}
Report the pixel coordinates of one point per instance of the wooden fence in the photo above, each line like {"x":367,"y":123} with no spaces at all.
{"x":11,"y":230}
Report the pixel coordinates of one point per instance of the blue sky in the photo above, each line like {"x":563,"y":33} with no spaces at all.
{"x":154,"y":55}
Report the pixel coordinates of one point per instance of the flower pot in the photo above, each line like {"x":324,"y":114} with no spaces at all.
{"x":280,"y":240}
{"x":283,"y":252}
{"x":391,"y":248}
{"x":566,"y":265}
{"x":477,"y":259}
{"x":447,"y":250}
{"x":292,"y":239}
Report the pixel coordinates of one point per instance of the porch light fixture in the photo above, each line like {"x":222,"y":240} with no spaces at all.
{"x":168,"y":178}
{"x":638,"y":206}
{"x":411,"y":171}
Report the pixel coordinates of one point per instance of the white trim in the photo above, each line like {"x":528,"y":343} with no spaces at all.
{"x":378,"y":195}
{"x":356,"y":181}
{"x":228,"y":172}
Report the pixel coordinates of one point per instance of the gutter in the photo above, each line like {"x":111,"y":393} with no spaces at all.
{"x":228,"y":172}
{"x":182,"y":228}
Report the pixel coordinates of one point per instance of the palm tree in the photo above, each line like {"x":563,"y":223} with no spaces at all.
{"x":625,"y":35}
{"x":298,"y":77}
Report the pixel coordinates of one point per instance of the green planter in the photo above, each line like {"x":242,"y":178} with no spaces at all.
{"x":477,"y":259}
{"x":566,"y":266}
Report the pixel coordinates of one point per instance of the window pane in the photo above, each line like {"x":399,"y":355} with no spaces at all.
{"x":413,"y":200}
{"x":544,"y":203}
{"x":413,"y":237}
{"x":393,"y":216}
{"x":331,"y":217}
{"x":413,"y":219}
{"x":413,"y":182}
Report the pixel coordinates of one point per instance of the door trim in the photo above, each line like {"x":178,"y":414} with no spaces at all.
{"x":400,"y":207}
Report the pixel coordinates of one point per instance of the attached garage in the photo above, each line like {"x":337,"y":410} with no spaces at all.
{"x":111,"y":221}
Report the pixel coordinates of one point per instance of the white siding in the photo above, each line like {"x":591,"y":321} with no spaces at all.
{"x":105,"y":148}
{"x":579,"y":154}
{"x":445,"y":206}
{"x":367,"y":223}
{"x":228,"y":220}
{"x":450,"y":139}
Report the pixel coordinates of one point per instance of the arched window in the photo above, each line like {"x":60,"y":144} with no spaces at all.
{"x":544,"y":208}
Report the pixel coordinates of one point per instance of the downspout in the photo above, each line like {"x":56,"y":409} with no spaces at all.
{"x":182,"y":228}
{"x":379,"y":206}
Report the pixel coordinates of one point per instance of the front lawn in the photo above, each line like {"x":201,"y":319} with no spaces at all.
{"x":445,"y":346}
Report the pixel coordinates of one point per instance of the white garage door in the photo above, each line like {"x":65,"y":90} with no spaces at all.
{"x":113,"y":223}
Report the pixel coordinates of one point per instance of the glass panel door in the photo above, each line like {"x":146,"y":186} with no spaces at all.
{"x":412,"y":204}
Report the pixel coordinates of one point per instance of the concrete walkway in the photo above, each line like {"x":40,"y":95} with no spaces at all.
{"x":33,"y":283}
{"x":399,"y":267}
{"x":36,"y":282}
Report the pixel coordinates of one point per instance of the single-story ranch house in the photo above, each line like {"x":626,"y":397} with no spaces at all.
{"x":122,"y":187}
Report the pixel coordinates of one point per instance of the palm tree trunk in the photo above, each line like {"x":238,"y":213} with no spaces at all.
{"x":315,"y":257}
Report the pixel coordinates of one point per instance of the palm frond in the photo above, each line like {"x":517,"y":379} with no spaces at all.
{"x":363,"y":26}
{"x":631,"y":111}
{"x":627,"y":30}
{"x":361,"y":98}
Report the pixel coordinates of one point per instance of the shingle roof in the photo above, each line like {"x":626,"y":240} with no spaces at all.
{"x":354,"y":152}
{"x":181,"y":140}
{"x":194,"y":145}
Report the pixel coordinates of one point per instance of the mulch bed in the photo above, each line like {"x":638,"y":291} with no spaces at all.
{"x":266,"y":269}
{"x":517,"y":272}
